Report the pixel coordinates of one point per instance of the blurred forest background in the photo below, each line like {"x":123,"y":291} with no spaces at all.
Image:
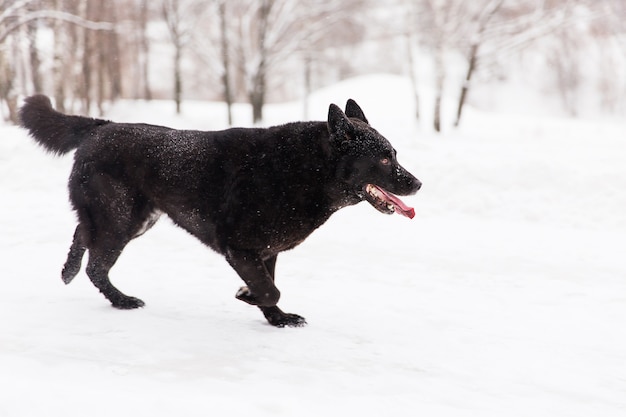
{"x":89,"y":53}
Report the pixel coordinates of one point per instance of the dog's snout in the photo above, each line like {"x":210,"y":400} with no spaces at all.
{"x":417,"y":184}
{"x":410,"y":184}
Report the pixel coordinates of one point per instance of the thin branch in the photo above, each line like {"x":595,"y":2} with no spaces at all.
{"x":55,"y":15}
{"x":557,"y":22}
{"x":10,"y":10}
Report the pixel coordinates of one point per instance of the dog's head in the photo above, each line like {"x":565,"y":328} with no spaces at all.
{"x":367,"y":164}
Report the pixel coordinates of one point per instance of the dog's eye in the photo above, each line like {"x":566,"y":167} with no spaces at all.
{"x":385,"y":161}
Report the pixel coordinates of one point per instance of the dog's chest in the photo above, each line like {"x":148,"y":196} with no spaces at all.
{"x":274,"y":230}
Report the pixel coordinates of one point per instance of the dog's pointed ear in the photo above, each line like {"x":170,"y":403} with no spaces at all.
{"x":353,"y":110}
{"x":338,"y":124}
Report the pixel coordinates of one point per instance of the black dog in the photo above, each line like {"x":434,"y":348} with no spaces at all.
{"x":248,"y":194}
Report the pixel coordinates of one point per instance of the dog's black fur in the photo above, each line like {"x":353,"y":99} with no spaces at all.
{"x":249,"y":194}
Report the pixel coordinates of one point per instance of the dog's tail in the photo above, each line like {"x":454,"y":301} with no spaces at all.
{"x":56,"y":132}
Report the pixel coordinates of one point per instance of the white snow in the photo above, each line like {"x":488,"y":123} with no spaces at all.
{"x":505,"y":296}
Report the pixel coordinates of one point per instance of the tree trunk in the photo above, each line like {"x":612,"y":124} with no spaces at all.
{"x":466,"y":84}
{"x":7,"y":90}
{"x":144,"y":51}
{"x":258,"y":88}
{"x":12,"y":106}
{"x":307,"y":85}
{"x":257,"y":98}
{"x":34,"y":57}
{"x":178,"y":84}
{"x":412,"y":74}
{"x":173,"y":19}
{"x":101,"y":59}
{"x":228,"y":95}
{"x":439,"y":81}
{"x":114,"y":62}
{"x":60,"y":45}
{"x":86,"y":62}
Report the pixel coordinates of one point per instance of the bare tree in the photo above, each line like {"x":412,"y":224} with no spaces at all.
{"x":250,"y":48}
{"x":253,"y":46}
{"x":488,"y":31}
{"x":181,"y":17}
{"x":73,"y":23}
{"x":410,"y":53}
{"x":268,"y":32}
{"x":8,"y":93}
{"x":557,"y":29}
{"x":487,"y":12}
{"x":442,"y":28}
{"x":564,"y":60}
{"x":11,"y":33}
{"x":455,"y":26}
{"x":258,"y":75}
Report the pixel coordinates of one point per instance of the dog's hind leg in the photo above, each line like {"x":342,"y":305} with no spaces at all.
{"x":101,"y":260}
{"x":112,"y":213}
{"x":74,"y":257}
{"x":261,"y":291}
{"x":107,"y":241}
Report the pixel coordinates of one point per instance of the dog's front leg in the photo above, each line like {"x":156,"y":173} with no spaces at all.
{"x":260,"y":290}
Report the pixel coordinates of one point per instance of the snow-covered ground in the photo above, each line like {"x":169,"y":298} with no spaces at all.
{"x":505,"y":296}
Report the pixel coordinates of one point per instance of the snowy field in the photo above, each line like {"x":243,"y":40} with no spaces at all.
{"x":504,"y":297}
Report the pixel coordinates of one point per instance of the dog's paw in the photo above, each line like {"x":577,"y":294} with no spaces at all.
{"x":276,"y":317}
{"x":128,"y":303}
{"x":244,"y":294}
{"x":289,"y":320}
{"x":69,"y":273}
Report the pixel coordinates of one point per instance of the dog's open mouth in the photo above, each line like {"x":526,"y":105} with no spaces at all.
{"x":386,"y":202}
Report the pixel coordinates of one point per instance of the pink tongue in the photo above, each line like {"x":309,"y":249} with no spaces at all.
{"x":401,"y":208}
